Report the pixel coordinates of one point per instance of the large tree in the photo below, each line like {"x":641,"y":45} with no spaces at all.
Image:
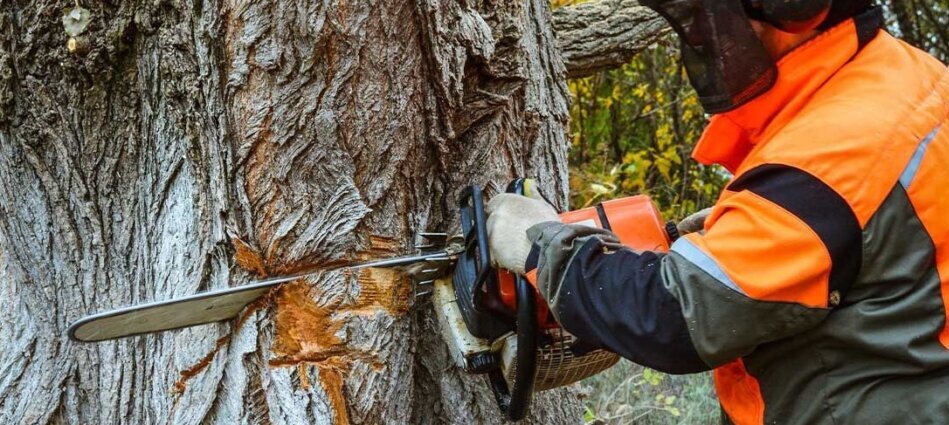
{"x":188,"y":145}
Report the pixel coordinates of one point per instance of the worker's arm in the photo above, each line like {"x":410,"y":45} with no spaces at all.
{"x":776,"y":249}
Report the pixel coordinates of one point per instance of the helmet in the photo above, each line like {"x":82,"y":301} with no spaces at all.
{"x":726,"y":61}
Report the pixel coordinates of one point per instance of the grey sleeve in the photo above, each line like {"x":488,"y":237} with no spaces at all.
{"x":612,"y":297}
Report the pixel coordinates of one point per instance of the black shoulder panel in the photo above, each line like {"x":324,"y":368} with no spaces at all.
{"x":818,"y":205}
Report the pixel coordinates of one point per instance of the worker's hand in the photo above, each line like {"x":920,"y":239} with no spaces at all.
{"x":509,"y":217}
{"x":693,"y":223}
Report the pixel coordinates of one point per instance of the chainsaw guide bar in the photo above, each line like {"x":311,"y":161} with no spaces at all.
{"x":226,"y":304}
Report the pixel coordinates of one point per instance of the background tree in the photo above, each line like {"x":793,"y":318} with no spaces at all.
{"x":177,"y":147}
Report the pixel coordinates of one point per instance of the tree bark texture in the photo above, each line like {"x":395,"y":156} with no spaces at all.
{"x":195,"y":145}
{"x":605,"y":34}
{"x":192,"y":145}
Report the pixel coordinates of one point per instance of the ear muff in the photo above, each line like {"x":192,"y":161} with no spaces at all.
{"x":795,"y":16}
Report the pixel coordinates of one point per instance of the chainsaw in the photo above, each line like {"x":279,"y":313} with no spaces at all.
{"x":493,"y":321}
{"x":496,"y":324}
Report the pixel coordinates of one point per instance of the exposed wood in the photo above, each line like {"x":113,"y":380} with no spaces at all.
{"x":604,"y":34}
{"x":198,"y":144}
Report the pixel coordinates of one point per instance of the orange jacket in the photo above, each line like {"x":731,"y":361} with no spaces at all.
{"x":861,"y":123}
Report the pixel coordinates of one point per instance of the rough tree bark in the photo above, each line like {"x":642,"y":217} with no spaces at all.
{"x":199,"y":144}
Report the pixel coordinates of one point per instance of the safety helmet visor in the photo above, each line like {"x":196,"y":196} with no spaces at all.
{"x":726,"y":61}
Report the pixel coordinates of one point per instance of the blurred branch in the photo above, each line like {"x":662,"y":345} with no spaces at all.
{"x":604,"y":34}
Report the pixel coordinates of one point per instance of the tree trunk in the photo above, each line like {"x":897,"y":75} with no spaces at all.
{"x":194,"y":145}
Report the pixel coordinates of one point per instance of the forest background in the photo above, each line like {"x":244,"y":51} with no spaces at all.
{"x":633,"y":129}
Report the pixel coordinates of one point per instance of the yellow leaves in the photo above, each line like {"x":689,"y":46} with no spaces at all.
{"x":690,"y":102}
{"x":690,"y":108}
{"x":667,"y":403}
{"x":663,"y":135}
{"x":634,"y":169}
{"x":652,"y":377}
{"x":660,"y":97}
{"x":615,"y":95}
{"x":664,"y":166}
{"x":641,"y":91}
{"x":631,"y":157}
{"x":580,"y":87}
{"x":665,"y":161}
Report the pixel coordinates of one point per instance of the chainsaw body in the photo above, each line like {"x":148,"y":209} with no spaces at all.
{"x":495,"y":322}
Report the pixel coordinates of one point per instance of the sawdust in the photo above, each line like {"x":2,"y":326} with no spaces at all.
{"x":301,"y":325}
{"x":380,"y":245}
{"x":333,"y":355}
{"x":306,"y":332}
{"x":331,"y":379}
{"x":248,"y":258}
{"x":387,"y":289}
{"x":304,"y":375}
{"x":305,"y":329}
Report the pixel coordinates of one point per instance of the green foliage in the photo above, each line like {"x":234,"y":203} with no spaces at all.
{"x":633,"y":130}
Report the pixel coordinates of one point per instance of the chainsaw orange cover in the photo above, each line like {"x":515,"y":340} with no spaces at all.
{"x":635,"y":220}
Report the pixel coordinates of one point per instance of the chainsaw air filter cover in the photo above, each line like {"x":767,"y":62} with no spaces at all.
{"x":559,"y":362}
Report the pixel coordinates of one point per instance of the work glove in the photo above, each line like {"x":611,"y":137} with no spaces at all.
{"x":509,"y":217}
{"x":693,"y":223}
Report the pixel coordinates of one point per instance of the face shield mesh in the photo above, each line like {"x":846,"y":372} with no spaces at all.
{"x":725,"y":60}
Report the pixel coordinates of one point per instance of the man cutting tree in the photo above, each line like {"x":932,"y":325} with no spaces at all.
{"x":817,"y":291}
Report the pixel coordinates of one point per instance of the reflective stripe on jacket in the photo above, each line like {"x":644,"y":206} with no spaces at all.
{"x":818,"y":290}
